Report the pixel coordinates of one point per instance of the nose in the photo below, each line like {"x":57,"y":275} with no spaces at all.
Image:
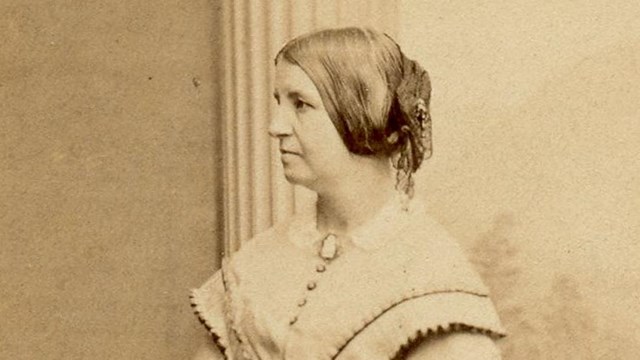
{"x":280,"y":126}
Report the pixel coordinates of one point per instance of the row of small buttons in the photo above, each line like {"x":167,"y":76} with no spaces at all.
{"x":311,"y":285}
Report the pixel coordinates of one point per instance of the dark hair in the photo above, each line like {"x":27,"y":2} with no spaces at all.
{"x":376,"y":97}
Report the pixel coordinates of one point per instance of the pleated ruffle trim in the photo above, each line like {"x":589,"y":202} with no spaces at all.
{"x":393,"y":332}
{"x":207,"y":302}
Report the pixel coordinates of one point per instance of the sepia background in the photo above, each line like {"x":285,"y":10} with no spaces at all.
{"x":133,"y":150}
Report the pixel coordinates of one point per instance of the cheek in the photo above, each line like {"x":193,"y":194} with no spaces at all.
{"x":330,"y":156}
{"x":335,"y":146}
{"x":325,"y":136}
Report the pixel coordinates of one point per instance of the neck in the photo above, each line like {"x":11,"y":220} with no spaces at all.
{"x":355,"y":199}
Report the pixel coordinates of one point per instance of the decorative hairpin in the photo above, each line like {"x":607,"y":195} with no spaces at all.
{"x":421,"y":112}
{"x":424,"y":119}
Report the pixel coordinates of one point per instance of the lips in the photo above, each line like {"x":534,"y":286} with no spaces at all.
{"x":285,"y":151}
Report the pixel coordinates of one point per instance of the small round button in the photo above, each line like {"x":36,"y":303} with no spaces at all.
{"x":311,"y":285}
{"x":320,"y":268}
{"x":302,"y":302}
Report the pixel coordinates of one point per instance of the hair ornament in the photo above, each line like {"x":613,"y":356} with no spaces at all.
{"x":413,"y":95}
{"x":424,"y":119}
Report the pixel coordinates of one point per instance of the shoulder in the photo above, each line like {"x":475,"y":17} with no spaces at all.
{"x":211,"y":301}
{"x":431,"y":257}
{"x":252,"y":253}
{"x":259,"y":255}
{"x":429,"y":290}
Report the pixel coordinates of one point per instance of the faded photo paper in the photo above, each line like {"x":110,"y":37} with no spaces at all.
{"x":142,"y":149}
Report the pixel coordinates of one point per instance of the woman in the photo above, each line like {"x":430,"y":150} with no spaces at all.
{"x":369,"y":275}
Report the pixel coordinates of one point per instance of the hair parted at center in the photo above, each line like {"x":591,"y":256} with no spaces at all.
{"x":376,"y":97}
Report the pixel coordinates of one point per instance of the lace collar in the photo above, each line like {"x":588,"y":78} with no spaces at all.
{"x":390,"y":218}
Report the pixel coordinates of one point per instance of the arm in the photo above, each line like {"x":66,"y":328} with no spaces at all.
{"x":456,"y":346}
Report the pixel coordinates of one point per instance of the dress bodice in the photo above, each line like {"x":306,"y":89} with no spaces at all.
{"x":396,"y":278}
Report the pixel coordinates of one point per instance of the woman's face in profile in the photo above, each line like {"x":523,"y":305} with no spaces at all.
{"x":312,"y":151}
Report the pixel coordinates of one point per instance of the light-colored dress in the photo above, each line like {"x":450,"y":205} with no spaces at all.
{"x":398,"y":279}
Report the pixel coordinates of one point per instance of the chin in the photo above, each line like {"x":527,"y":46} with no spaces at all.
{"x":298,"y":179}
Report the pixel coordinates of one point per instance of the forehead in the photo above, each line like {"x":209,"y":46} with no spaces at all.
{"x":291,"y":78}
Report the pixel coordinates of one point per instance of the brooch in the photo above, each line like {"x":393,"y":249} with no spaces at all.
{"x":329,"y":248}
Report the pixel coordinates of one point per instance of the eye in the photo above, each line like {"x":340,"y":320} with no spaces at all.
{"x":301,"y":105}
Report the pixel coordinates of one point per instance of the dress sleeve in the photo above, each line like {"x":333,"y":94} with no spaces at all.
{"x":396,"y":331}
{"x":208,"y":303}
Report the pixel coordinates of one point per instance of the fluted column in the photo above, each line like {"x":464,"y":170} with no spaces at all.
{"x":256,"y":193}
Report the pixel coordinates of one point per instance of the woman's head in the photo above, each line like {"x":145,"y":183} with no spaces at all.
{"x":370,"y":91}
